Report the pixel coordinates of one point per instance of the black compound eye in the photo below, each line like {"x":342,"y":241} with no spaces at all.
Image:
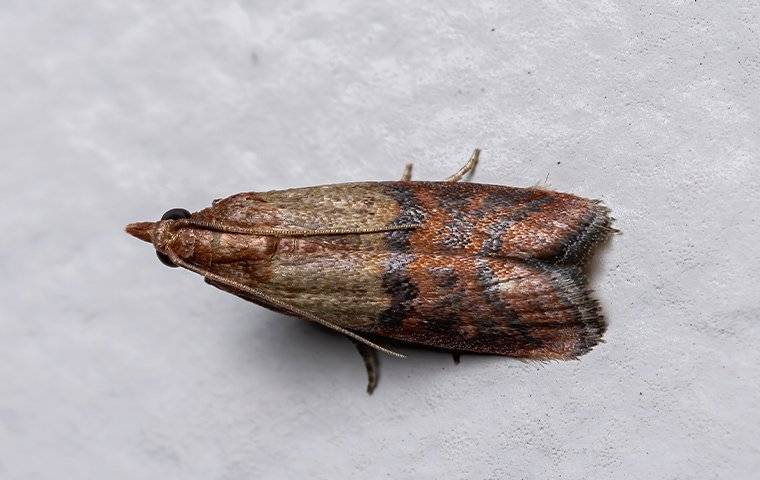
{"x":165,"y":259}
{"x":175,"y":214}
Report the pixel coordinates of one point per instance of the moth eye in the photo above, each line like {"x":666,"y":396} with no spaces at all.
{"x":165,"y":259}
{"x":175,"y":214}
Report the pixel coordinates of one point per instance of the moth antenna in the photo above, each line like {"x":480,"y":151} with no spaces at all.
{"x":274,"y":301}
{"x":294,"y":232}
{"x":468,"y":167}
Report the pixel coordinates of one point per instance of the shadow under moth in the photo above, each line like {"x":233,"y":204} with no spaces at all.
{"x":458,"y":267}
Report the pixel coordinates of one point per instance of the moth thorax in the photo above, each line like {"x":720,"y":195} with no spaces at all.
{"x":206,"y":247}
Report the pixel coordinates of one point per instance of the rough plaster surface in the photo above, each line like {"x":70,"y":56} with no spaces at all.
{"x":114,"y":366}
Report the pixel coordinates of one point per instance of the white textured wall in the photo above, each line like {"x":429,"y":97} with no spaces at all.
{"x":113,"y":366}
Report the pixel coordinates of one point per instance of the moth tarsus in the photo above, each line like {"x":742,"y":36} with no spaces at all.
{"x":407,"y":175}
{"x":369,"y":356}
{"x":463,"y":267}
{"x":467,"y":169}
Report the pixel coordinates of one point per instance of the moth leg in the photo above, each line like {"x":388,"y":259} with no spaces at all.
{"x":468,"y":168}
{"x":456,"y":357}
{"x":369,"y":355}
{"x":407,"y":176}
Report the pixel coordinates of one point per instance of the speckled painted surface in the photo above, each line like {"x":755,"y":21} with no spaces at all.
{"x":114,"y":366}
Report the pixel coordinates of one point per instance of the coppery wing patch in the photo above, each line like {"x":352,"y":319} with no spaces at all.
{"x":492,"y":270}
{"x":499,"y":221}
{"x":499,"y":306}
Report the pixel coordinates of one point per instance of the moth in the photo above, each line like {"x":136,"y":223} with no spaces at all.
{"x":453,"y":266}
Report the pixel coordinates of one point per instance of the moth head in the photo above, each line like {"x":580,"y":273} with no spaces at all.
{"x":161,"y":234}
